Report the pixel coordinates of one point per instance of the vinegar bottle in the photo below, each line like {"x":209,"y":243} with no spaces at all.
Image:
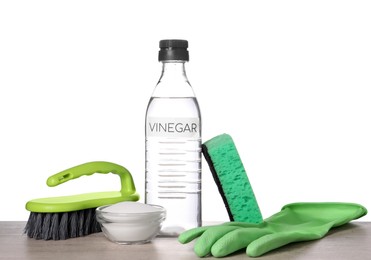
{"x":173,"y":143}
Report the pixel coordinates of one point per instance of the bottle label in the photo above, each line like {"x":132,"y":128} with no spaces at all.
{"x":173,"y":127}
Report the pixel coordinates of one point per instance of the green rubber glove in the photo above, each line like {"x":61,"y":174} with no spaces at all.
{"x":295,"y":222}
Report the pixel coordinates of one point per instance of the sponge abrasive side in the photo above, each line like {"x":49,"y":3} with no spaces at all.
{"x":230,"y":176}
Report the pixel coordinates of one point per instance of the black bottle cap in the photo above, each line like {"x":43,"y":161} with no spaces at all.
{"x":173,"y":50}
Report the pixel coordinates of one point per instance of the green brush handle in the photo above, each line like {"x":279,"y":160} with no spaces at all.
{"x":127,"y":183}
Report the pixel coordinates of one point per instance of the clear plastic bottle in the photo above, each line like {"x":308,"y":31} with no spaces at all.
{"x":173,"y":143}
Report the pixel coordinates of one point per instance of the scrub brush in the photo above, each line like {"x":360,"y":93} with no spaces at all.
{"x":60,"y":218}
{"x":230,"y":176}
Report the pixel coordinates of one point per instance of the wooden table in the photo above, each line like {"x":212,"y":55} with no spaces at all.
{"x":350,"y":242}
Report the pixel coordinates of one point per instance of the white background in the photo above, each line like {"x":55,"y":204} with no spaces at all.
{"x":288,"y":80}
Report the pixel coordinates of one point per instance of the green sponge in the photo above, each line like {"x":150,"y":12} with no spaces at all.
{"x":230,"y":177}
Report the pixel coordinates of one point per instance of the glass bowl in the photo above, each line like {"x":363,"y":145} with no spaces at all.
{"x":131,"y":228}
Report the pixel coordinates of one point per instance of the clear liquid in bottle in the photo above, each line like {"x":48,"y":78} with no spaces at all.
{"x":173,"y":150}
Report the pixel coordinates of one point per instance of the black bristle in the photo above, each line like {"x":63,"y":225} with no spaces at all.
{"x":80,"y":223}
{"x":72,"y":224}
{"x":88,"y":217}
{"x":30,"y":224}
{"x":95,"y":225}
{"x":61,"y":226}
{"x":46,"y":226}
{"x":38,"y":226}
{"x":54,"y":228}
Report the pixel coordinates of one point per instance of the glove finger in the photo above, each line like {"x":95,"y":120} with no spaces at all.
{"x":272,"y":241}
{"x":209,"y":237}
{"x":189,"y":235}
{"x":236,"y":240}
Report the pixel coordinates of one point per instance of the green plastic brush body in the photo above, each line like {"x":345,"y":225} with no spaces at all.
{"x":87,"y":200}
{"x":64,"y":217}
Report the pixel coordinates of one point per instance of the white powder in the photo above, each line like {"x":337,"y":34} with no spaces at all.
{"x":131,"y":222}
{"x":131,"y":207}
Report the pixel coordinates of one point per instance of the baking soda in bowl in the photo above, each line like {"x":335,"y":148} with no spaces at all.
{"x":132,"y":207}
{"x":130,"y":222}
